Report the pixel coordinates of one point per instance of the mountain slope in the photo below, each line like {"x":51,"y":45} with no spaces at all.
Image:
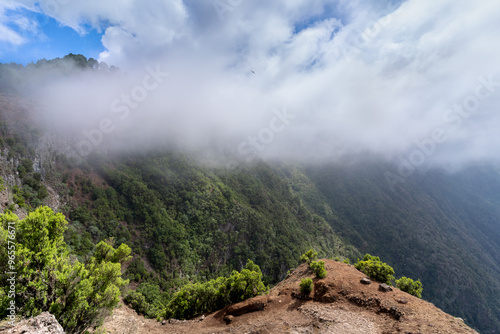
{"x":440,"y":227}
{"x":338,"y":303}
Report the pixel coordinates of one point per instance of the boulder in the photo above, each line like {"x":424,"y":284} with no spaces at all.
{"x":366,"y":281}
{"x":44,"y":323}
{"x":384,"y":287}
{"x":402,"y":300}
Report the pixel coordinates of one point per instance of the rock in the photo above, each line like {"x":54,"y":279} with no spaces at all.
{"x":366,"y":281}
{"x":384,"y":287}
{"x":397,"y":314}
{"x":163,"y":322}
{"x":45,"y":323}
{"x":228,"y":319}
{"x":250,"y":305}
{"x":402,"y":300}
{"x":202,"y":318}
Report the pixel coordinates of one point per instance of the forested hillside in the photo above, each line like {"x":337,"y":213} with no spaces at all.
{"x":438,"y":226}
{"x":189,"y":219}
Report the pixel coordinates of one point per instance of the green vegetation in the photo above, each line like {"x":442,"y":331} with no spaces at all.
{"x":440,"y":227}
{"x":191,"y":217}
{"x":48,"y":279}
{"x":309,"y":256}
{"x":306,"y":285}
{"x":408,"y":285}
{"x":198,"y":298}
{"x":376,"y":269}
{"x":319,"y":268}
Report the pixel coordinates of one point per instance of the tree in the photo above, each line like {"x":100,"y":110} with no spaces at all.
{"x":198,"y":298}
{"x":306,"y":285}
{"x":92,"y":63}
{"x":47,"y":279}
{"x":319,"y":268}
{"x":376,"y":269}
{"x":406,"y":284}
{"x":309,"y":256}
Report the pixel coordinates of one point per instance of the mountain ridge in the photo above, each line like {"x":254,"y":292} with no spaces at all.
{"x":338,"y":303}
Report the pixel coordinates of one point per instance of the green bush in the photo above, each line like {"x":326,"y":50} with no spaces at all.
{"x":376,"y":269}
{"x":309,"y":256}
{"x":78,"y":294}
{"x":319,"y":268}
{"x":137,"y":301}
{"x":198,"y":298}
{"x":306,"y":285}
{"x":414,"y":288}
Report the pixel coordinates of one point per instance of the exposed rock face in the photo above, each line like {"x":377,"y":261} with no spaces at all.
{"x":45,"y":323}
{"x":384,"y":287}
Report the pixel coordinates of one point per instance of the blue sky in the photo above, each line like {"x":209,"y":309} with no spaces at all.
{"x":51,"y":40}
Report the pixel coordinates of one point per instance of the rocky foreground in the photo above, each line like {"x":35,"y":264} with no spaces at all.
{"x":339,"y":303}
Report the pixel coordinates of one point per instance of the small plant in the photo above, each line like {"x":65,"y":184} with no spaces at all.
{"x":309,"y":256}
{"x":337,"y":259}
{"x":376,"y":269}
{"x":347,"y":261}
{"x":406,"y":284}
{"x":306,"y":285}
{"x":319,"y":268}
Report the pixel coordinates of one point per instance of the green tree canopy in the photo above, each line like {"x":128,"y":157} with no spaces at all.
{"x":406,"y":284}
{"x":375,"y":268}
{"x":48,"y":279}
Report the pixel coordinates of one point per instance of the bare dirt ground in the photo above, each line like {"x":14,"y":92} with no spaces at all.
{"x":338,"y":303}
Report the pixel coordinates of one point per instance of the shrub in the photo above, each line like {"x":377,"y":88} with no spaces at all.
{"x":319,"y":268}
{"x":137,"y":301}
{"x":198,"y":298}
{"x":309,"y":256}
{"x":306,"y":285}
{"x":414,"y":288}
{"x":78,"y":294}
{"x":376,"y":269}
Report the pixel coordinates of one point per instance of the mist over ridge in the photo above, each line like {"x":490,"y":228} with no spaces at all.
{"x":414,"y":83}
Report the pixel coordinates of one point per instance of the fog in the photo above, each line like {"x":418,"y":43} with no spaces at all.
{"x":413,"y":82}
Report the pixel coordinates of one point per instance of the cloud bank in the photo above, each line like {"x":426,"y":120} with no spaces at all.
{"x":291,"y":79}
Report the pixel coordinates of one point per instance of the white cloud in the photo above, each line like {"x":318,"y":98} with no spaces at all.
{"x":7,"y":34}
{"x":360,"y":77}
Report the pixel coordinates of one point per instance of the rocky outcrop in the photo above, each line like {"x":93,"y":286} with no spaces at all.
{"x":45,"y":323}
